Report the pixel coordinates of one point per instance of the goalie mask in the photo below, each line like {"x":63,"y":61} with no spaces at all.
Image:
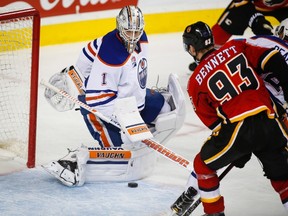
{"x":198,"y":35}
{"x":130,"y":24}
{"x":281,"y":31}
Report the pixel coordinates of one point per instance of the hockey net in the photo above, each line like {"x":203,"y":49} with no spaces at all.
{"x":19,"y":60}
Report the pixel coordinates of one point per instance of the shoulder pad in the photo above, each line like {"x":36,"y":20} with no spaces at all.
{"x":112,"y":52}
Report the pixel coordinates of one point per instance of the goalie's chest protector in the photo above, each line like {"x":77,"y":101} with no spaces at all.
{"x":123,"y":73}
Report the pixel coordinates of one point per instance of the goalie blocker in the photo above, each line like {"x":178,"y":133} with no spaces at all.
{"x":131,"y":162}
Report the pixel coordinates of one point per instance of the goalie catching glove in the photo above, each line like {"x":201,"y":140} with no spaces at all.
{"x":68,"y":80}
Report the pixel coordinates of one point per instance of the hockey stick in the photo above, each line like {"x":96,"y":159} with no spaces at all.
{"x":148,"y":142}
{"x":197,"y":202}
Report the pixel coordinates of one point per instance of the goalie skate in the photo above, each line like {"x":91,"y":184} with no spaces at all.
{"x":70,"y":170}
{"x":63,"y":171}
{"x":183,"y":203}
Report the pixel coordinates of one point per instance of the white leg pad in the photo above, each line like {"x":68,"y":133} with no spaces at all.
{"x":118,"y":168}
{"x":82,"y":156}
{"x":168,"y":123}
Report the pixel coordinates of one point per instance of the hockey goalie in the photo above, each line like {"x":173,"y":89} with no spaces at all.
{"x":110,"y":76}
{"x":119,"y":154}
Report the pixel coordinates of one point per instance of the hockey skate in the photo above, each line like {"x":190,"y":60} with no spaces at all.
{"x":68,"y":170}
{"x":182,"y":204}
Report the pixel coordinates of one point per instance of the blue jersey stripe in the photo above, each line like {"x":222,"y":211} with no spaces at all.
{"x":103,"y":102}
{"x":95,"y":44}
{"x":98,"y":91}
{"x":87,"y":55}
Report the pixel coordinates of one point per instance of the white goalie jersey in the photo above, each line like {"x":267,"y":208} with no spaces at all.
{"x":111,"y":72}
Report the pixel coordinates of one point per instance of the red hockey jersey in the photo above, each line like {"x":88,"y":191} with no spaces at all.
{"x":225,"y":85}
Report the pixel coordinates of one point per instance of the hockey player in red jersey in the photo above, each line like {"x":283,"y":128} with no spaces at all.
{"x":242,"y":14}
{"x":230,"y":98}
{"x":278,"y":42}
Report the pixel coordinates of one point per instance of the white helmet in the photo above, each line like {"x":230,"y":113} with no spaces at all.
{"x":130,"y":23}
{"x":281,"y":31}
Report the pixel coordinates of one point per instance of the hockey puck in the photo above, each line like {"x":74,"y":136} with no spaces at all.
{"x":132,"y":184}
{"x":192,"y":66}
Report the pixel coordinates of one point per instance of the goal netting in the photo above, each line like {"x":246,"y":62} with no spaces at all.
{"x":19,"y":59}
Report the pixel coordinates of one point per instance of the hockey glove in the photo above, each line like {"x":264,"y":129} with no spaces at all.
{"x":240,"y":163}
{"x":259,"y":25}
{"x":69,"y":80}
{"x":57,"y":101}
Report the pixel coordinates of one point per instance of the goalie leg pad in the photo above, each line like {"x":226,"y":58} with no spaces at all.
{"x":82,"y":157}
{"x":120,"y":164}
{"x":168,"y":123}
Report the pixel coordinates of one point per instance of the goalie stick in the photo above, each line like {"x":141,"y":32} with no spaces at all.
{"x":164,"y":151}
{"x":189,"y":211}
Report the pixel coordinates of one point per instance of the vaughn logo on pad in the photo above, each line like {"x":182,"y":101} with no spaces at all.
{"x":109,"y":153}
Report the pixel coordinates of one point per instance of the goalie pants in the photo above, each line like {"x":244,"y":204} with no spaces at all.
{"x":108,"y":135}
{"x":258,"y":134}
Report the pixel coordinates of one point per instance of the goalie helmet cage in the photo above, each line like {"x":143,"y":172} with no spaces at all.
{"x":19,"y":62}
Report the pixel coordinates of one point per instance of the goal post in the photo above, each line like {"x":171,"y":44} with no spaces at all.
{"x":19,"y":64}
